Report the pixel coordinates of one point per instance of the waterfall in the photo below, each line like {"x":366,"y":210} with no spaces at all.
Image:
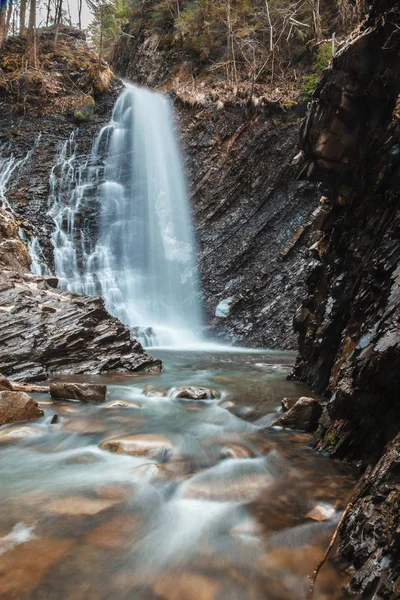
{"x":122,"y":222}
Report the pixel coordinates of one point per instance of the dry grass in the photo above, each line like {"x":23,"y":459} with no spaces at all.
{"x":67,"y":71}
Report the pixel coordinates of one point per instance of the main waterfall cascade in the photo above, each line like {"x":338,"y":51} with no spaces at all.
{"x":122,"y":222}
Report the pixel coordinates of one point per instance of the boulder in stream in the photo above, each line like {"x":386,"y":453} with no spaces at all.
{"x":151,"y":445}
{"x":5,"y":385}
{"x":194,"y":393}
{"x":18,"y":406}
{"x":304,"y":415}
{"x":85,"y":392}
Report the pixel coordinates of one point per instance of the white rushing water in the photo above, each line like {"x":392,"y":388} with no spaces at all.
{"x":139,"y":251}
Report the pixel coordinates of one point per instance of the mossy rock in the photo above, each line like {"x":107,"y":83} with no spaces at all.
{"x":84,"y":111}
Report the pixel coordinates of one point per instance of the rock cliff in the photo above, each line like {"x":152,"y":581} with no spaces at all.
{"x":349,"y":320}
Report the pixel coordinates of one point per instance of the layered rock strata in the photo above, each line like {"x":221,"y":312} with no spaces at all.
{"x":349,"y":320}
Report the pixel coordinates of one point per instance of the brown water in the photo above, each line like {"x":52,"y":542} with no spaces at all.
{"x":222,"y":514}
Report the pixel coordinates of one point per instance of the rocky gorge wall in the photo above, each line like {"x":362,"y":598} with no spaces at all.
{"x":349,"y":321}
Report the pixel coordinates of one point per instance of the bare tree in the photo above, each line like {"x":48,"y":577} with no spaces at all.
{"x":315,"y":6}
{"x":9,"y":15}
{"x":31,"y":49}
{"x":22,"y":17}
{"x":3,"y":14}
{"x":80,"y":14}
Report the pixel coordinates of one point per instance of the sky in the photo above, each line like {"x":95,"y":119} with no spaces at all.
{"x":73,"y":7}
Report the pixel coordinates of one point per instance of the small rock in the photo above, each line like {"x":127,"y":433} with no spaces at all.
{"x":122,"y":404}
{"x":79,"y":506}
{"x":18,"y":433}
{"x":18,"y":406}
{"x":150,"y":391}
{"x":150,"y":472}
{"x":115,"y":534}
{"x":304,"y":415}
{"x":54,"y":420}
{"x":235,"y":451}
{"x":248,"y":413}
{"x":147,"y":444}
{"x":288,"y":403}
{"x":51,"y":280}
{"x":194,"y":393}
{"x":321,"y":513}
{"x":84,"y":426}
{"x":85,"y":392}
{"x":5,"y":384}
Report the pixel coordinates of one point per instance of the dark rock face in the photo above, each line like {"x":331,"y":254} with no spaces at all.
{"x":349,"y":321}
{"x":17,"y":407}
{"x":251,"y":218}
{"x":46,"y":332}
{"x":348,"y":324}
{"x":43,"y":136}
{"x":85,"y":392}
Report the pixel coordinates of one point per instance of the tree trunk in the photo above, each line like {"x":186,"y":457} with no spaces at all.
{"x":80,"y":14}
{"x":31,"y":50}
{"x":3,"y":13}
{"x":48,"y":9}
{"x":9,"y":15}
{"x":101,"y":35}
{"x":57,"y":19}
{"x":22,"y":17}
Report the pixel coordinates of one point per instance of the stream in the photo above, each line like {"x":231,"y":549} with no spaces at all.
{"x":228,"y":510}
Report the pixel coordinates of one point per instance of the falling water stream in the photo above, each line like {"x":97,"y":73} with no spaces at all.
{"x":132,"y":192}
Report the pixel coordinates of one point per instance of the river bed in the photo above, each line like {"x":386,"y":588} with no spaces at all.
{"x":231,"y":510}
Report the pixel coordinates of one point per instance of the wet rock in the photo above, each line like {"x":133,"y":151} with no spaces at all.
{"x":55,"y":419}
{"x":235,"y":451}
{"x":288,"y":403}
{"x":171,"y":585}
{"x":79,"y":336}
{"x":18,"y":406}
{"x":194,"y":393}
{"x":30,"y":388}
{"x":150,"y":391}
{"x":115,"y":491}
{"x":18,"y":433}
{"x":79,"y":506}
{"x":24,"y":567}
{"x":247,"y":413}
{"x":51,"y":280}
{"x":83,"y":426}
{"x":321,"y":512}
{"x":150,"y":472}
{"x":118,"y":533}
{"x":122,"y":404}
{"x":151,"y":445}
{"x":85,"y":392}
{"x":5,"y":384}
{"x":304,"y":415}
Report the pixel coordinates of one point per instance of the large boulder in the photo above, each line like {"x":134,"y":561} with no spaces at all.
{"x":18,"y":406}
{"x":5,"y":385}
{"x":304,"y":415}
{"x":85,"y":392}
